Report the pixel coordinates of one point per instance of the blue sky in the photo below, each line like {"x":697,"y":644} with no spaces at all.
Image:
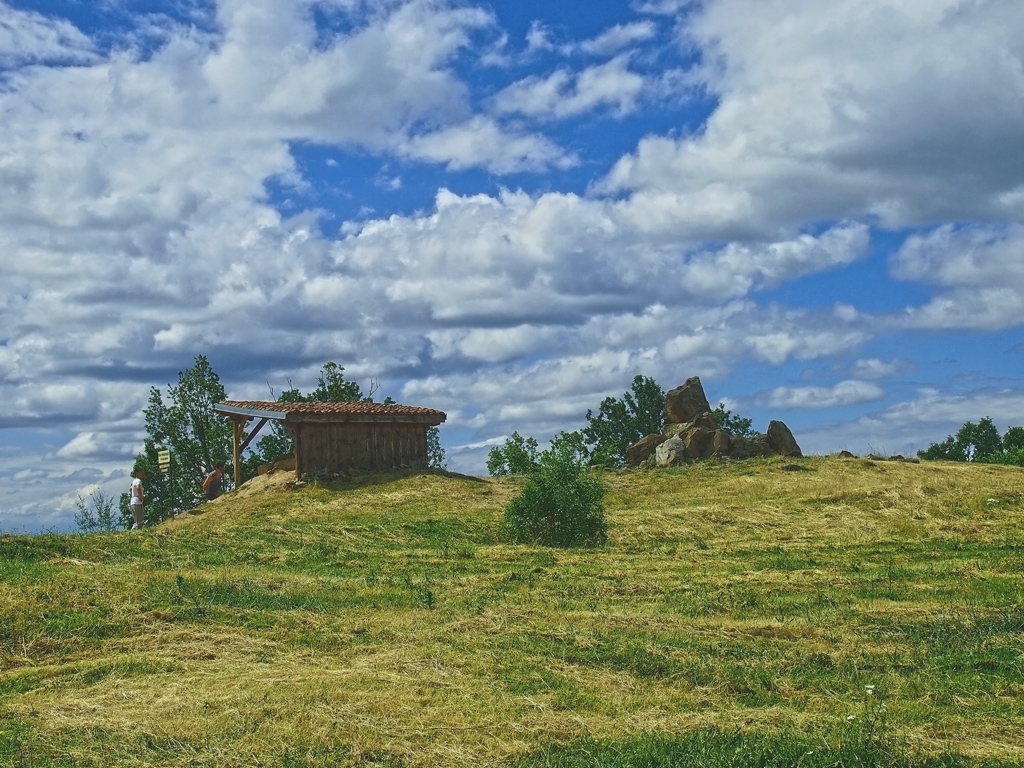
{"x":506,"y":211}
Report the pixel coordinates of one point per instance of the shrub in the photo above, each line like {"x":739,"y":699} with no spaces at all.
{"x":561,"y":504}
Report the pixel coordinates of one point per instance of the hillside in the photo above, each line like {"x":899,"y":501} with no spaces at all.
{"x":381,"y":621}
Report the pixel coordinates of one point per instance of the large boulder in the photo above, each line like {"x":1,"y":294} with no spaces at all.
{"x":691,"y":432}
{"x":699,"y":443}
{"x":643,"y":449}
{"x":749,"y":447}
{"x":670,"y":453}
{"x":722,"y":445}
{"x":704,"y":420}
{"x":781,"y":440}
{"x":686,"y":402}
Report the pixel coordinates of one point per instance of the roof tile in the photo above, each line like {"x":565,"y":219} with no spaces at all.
{"x":359,"y":407}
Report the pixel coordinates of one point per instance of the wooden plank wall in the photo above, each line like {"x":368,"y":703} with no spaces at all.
{"x":363,"y":446}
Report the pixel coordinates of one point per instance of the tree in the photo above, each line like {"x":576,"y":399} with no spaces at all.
{"x":435,"y":452}
{"x":737,"y":426}
{"x":331,"y":387}
{"x":1013,"y":440}
{"x":1013,"y":448}
{"x":561,"y":504}
{"x":197,"y":437}
{"x":97,"y":514}
{"x":981,"y":443}
{"x":518,"y":456}
{"x":620,"y":422}
{"x":973,"y":442}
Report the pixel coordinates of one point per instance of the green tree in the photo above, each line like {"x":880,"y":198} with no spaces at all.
{"x":737,"y":426}
{"x":331,"y":387}
{"x":197,"y":437}
{"x":518,"y":456}
{"x":620,"y":422}
{"x":973,"y":442}
{"x":1013,"y":440}
{"x":561,"y":504}
{"x":435,"y":452}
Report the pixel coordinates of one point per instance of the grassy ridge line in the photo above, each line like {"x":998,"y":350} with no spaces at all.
{"x":382,"y":621}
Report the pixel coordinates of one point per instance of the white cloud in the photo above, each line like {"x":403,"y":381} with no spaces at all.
{"x":538,"y":38}
{"x":849,"y":392}
{"x":990,"y":309}
{"x":875,"y":368}
{"x":480,"y":141}
{"x":982,"y":264}
{"x":618,"y":37}
{"x":562,"y":94}
{"x":847,"y":108}
{"x":665,"y":7}
{"x":976,"y":256}
{"x":26,"y":36}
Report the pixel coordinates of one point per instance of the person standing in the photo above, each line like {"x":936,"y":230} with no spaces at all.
{"x":214,"y":482}
{"x":137,"y":498}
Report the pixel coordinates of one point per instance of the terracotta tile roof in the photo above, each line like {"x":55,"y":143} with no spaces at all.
{"x":343,"y":411}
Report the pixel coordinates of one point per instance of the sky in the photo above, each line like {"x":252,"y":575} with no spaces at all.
{"x":506,"y":210}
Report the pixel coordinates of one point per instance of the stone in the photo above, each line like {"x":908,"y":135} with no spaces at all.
{"x":781,"y":440}
{"x":677,"y":430}
{"x":722,"y":445}
{"x":691,"y":432}
{"x":750,"y":447}
{"x":705,"y":420}
{"x":643,"y":449}
{"x":670,"y":453}
{"x":686,"y":402}
{"x":699,"y":443}
{"x":846,"y":455}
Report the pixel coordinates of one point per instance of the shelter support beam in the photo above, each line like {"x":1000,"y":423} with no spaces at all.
{"x":238,"y":422}
{"x":256,"y":431}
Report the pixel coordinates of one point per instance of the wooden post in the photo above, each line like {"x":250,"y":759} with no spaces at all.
{"x":239,"y":426}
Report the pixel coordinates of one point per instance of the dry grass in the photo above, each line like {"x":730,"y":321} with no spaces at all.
{"x":382,"y":621}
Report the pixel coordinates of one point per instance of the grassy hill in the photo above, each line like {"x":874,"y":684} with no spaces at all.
{"x":818,"y":612}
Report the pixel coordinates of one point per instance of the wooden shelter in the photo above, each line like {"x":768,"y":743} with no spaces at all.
{"x":330,"y":437}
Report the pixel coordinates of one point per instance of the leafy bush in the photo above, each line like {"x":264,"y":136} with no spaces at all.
{"x":561,"y":504}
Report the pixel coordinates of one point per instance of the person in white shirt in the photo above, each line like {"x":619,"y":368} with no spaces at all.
{"x":137,"y":498}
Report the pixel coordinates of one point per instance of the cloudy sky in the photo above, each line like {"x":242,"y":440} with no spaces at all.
{"x":506,"y":210}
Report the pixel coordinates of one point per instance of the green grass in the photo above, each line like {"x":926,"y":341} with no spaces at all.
{"x":713,"y":748}
{"x":738,"y":616}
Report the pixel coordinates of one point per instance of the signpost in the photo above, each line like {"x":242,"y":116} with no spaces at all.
{"x":163,"y":461}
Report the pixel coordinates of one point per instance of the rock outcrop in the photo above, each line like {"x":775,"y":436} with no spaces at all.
{"x":643,"y":449}
{"x":781,"y":440}
{"x":691,"y":432}
{"x":686,"y":402}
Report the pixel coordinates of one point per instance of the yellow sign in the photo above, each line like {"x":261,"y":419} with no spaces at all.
{"x":163,"y":459}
